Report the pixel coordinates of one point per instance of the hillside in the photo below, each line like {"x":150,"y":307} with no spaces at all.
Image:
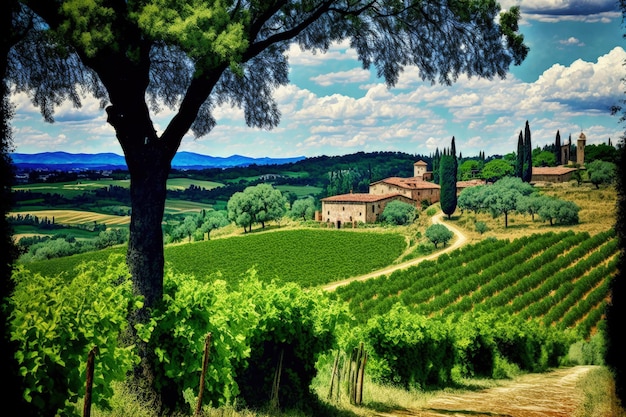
{"x":65,"y":161}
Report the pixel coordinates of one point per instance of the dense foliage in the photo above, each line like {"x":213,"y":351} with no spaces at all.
{"x":512,"y":195}
{"x":601,"y":172}
{"x":438,"y":233}
{"x":399,"y":213}
{"x":256,"y":204}
{"x":57,"y":320}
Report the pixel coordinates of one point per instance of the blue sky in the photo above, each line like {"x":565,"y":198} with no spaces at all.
{"x":570,"y":79}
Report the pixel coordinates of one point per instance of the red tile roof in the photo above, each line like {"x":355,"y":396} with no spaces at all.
{"x":412,"y":183}
{"x":469,"y":183}
{"x":359,"y":198}
{"x":552,"y":170}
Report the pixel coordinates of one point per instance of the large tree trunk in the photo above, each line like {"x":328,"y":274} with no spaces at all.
{"x":145,"y":260}
{"x":145,"y":247}
{"x":149,"y":164}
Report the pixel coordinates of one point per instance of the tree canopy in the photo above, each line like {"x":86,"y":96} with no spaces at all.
{"x":601,"y":172}
{"x":256,"y":204}
{"x":496,"y":169}
{"x":438,"y":233}
{"x":398,"y":213}
{"x":447,"y":181}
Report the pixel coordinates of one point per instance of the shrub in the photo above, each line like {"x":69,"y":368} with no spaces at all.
{"x":56,"y":321}
{"x":410,"y":350}
{"x":481,"y":227}
{"x":398,"y":213}
{"x":252,"y":326}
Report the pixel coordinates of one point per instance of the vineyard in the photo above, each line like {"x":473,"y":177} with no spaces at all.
{"x":308,"y":257}
{"x":486,"y":310}
{"x":561,"y":279}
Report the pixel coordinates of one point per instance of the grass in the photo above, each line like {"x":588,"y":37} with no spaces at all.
{"x":72,"y":188}
{"x":596,"y":390}
{"x":598,"y":395}
{"x":184,"y":183}
{"x":299,"y":190}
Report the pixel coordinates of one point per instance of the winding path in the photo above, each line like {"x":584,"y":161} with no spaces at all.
{"x":459,"y":240}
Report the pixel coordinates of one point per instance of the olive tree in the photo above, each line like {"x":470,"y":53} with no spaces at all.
{"x":601,"y":172}
{"x":303,"y":208}
{"x":256,"y":204}
{"x":438,"y":233}
{"x":399,"y":213}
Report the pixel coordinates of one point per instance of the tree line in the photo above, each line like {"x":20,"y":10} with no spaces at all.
{"x":512,"y":195}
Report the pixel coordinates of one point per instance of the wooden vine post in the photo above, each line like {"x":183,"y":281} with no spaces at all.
{"x":357,"y":371}
{"x":335,"y":375}
{"x":274,"y":399}
{"x":205,"y":364}
{"x":91,"y":357}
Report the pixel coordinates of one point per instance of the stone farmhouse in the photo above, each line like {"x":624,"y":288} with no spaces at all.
{"x":562,"y":173}
{"x":552,"y":174}
{"x":367,"y":207}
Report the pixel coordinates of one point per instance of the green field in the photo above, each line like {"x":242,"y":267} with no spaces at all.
{"x":74,"y":188}
{"x":184,"y":183}
{"x":299,"y":190}
{"x":308,"y":257}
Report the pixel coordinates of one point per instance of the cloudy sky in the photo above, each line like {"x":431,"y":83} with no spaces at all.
{"x":569,"y":81}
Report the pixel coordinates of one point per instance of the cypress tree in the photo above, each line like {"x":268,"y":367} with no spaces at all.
{"x":447,"y":181}
{"x":528,"y":155}
{"x":557,"y":148}
{"x":436,"y":166}
{"x":519,"y":165}
{"x":569,"y":149}
{"x":456,"y":161}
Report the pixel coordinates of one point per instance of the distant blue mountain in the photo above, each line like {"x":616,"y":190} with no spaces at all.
{"x":182,"y":160}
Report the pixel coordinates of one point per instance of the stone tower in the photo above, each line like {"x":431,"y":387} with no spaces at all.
{"x":580,"y":149}
{"x":419,"y":168}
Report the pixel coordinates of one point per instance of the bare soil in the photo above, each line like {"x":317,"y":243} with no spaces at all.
{"x":552,"y":394}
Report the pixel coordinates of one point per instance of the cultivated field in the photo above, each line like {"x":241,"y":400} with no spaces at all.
{"x":73,"y":217}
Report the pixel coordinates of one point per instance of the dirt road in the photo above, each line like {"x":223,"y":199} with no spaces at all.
{"x":459,"y":240}
{"x":552,"y":394}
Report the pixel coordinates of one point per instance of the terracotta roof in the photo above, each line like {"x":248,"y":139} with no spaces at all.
{"x":469,"y":183}
{"x":552,"y":170}
{"x":420,"y":162}
{"x":412,"y":183}
{"x":359,"y":198}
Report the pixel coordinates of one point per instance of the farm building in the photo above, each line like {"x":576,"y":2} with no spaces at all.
{"x":552,"y":174}
{"x":414,"y":188}
{"x":358,"y":207}
{"x":367,"y":207}
{"x":461,"y":185}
